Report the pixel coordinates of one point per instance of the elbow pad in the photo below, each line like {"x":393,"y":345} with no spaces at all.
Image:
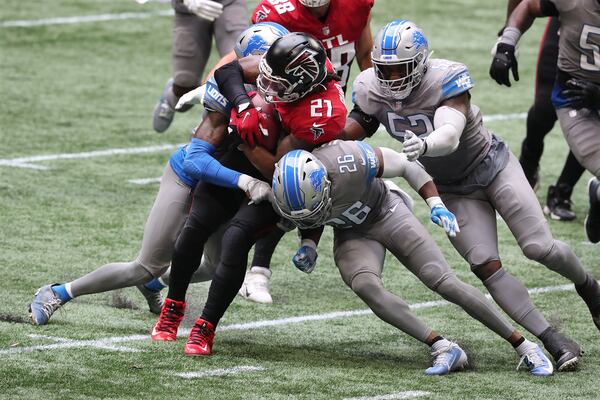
{"x":200,"y":164}
{"x":449,"y":125}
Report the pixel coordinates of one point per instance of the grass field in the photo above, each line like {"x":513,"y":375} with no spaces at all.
{"x":85,"y":87}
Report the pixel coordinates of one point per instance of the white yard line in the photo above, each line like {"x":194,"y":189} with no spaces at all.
{"x":107,"y":343}
{"x":219,"y":372}
{"x":145,"y":181}
{"x":80,"y":19}
{"x":411,"y":394}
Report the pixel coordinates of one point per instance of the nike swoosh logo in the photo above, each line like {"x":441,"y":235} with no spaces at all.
{"x":393,"y":208}
{"x":315,"y":125}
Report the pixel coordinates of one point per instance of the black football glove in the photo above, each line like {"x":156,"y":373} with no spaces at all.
{"x":504,"y":60}
{"x":582,"y":94}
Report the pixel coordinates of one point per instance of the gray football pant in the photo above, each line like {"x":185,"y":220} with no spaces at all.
{"x":359,"y":255}
{"x":193,"y":36}
{"x":581,"y":129}
{"x":164,"y":222}
{"x":511,"y":195}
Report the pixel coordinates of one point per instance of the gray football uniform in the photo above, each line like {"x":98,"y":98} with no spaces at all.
{"x":479,"y":178}
{"x":192,"y":39}
{"x":579,"y":57}
{"x":381,"y":219}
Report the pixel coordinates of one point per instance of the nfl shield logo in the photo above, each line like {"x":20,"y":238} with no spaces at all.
{"x":326,"y":30}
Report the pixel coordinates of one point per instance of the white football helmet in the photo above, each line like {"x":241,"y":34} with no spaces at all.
{"x":314,"y":3}
{"x":400,"y":54}
{"x":301,"y":189}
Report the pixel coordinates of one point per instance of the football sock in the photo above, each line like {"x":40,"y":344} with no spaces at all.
{"x":518,"y":342}
{"x":513,"y":298}
{"x":524,"y":347}
{"x":63,"y":292}
{"x":155,"y":285}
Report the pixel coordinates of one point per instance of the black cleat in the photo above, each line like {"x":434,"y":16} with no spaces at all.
{"x":592,"y":221}
{"x":590,"y":293}
{"x":566,"y":352}
{"x":558,"y":203}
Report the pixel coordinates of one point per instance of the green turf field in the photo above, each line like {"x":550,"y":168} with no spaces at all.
{"x":88,"y":87}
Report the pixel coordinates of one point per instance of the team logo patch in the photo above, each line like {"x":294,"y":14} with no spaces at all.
{"x":316,"y":179}
{"x":261,"y":14}
{"x":304,"y":66}
{"x":317,"y":130}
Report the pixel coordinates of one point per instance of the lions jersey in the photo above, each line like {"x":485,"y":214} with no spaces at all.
{"x":316,"y":118}
{"x":356,"y":195}
{"x":442,"y":80}
{"x":342,"y":27}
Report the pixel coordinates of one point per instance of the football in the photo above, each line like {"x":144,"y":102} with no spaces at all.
{"x":269,"y":124}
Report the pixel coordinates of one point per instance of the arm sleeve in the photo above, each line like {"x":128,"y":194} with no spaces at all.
{"x":396,"y":164}
{"x":230,"y":79}
{"x":200,"y":164}
{"x":449,"y":125}
{"x":369,"y":123}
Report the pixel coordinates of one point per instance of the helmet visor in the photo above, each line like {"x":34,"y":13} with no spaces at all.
{"x":396,"y":77}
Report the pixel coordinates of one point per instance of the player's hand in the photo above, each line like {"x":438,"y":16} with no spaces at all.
{"x":305,"y":259}
{"x":582,"y":94}
{"x":441,"y":216}
{"x":504,"y":60}
{"x":255,"y":189}
{"x":246,"y":124}
{"x":205,"y":9}
{"x":195,"y":96}
{"x":413,"y":146}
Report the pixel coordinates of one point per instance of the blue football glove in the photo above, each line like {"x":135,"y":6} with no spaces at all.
{"x":305,"y":259}
{"x":444,"y":218}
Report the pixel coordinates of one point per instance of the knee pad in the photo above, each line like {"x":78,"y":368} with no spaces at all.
{"x":366,"y":284}
{"x":186,"y":79}
{"x":536,"y":251}
{"x":433,"y":274}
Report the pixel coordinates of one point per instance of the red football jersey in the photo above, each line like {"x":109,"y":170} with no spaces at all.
{"x":343,"y":25}
{"x":316,"y":118}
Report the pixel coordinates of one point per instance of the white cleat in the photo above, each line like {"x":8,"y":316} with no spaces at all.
{"x":256,"y":286}
{"x":535,"y":360}
{"x":447,"y":357}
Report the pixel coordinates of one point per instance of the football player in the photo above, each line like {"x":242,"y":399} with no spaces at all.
{"x":295,"y":75}
{"x":425,"y":104}
{"x":166,"y":218}
{"x":540,"y":121}
{"x":576,"y":93}
{"x":339,"y":184}
{"x":194,"y":24}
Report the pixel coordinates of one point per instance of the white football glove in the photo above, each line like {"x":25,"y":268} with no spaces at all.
{"x":205,"y":9}
{"x":195,"y":96}
{"x":255,"y":189}
{"x":413,"y":146}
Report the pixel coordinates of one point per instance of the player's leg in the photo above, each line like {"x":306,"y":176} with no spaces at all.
{"x":541,"y":116}
{"x":230,"y":24}
{"x":211,"y":207}
{"x":192,"y":39}
{"x":250,"y":222}
{"x":580,"y":128}
{"x":164,"y":222}
{"x":360,"y":262}
{"x":558,"y":202}
{"x":478,"y":244}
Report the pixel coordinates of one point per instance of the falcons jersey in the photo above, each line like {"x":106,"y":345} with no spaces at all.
{"x":356,"y":194}
{"x":342,"y":27}
{"x":579,"y":43}
{"x":442,"y":80}
{"x":316,"y":118}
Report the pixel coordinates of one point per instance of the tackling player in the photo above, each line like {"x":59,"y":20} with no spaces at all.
{"x":338,"y":184}
{"x":166,"y":218}
{"x":425,"y":103}
{"x":576,"y":93}
{"x":296,"y":75}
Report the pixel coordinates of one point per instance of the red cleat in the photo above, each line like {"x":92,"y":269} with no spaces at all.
{"x":201,"y":339}
{"x":171,"y":314}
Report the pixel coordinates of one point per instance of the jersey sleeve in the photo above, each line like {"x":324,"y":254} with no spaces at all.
{"x":457,"y":81}
{"x":368,"y":122}
{"x":351,"y":163}
{"x":548,"y":8}
{"x":360,"y":93}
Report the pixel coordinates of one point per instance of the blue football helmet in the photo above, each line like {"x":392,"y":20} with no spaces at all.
{"x":400,"y":54}
{"x":257,"y":38}
{"x":301,"y":189}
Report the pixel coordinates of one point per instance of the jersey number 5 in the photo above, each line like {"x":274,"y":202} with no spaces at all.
{"x":585,"y":44}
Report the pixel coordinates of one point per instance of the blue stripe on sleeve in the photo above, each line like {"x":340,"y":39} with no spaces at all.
{"x":456,"y":84}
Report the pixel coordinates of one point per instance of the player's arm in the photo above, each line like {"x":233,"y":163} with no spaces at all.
{"x":359,"y":125}
{"x":200,"y":164}
{"x":449,"y":122}
{"x":363,"y":47}
{"x":393,"y":164}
